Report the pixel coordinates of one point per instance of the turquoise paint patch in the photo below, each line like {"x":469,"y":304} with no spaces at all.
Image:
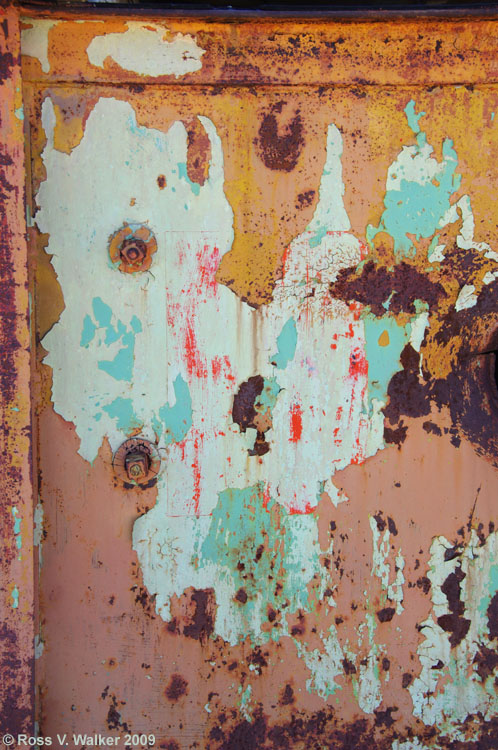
{"x":183,"y":174}
{"x":492,"y":589}
{"x":177,"y":419}
{"x":418,"y":207}
{"x":19,"y":113}
{"x":411,"y":116}
{"x":88,"y":331}
{"x":383,"y":361}
{"x":286,"y":343}
{"x":101,"y":312}
{"x":15,"y":597}
{"x":121,"y":367}
{"x":121,"y":409}
{"x":320,"y":233}
{"x":268,"y":396}
{"x":17,"y":527}
{"x":259,"y":545}
{"x":492,"y":116}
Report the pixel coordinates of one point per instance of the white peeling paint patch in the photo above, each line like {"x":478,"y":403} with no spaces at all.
{"x":419,"y":324}
{"x":382,"y":547}
{"x":414,"y":744}
{"x":145,"y":49}
{"x":324,"y":665}
{"x":489,"y":277}
{"x":244,"y":702}
{"x":454,"y":682}
{"x":437,"y":255}
{"x":467,"y":298}
{"x":38,"y":525}
{"x":368,"y":686}
{"x":462,"y":210}
{"x":34,"y":41}
{"x":491,"y":255}
{"x":39,"y":646}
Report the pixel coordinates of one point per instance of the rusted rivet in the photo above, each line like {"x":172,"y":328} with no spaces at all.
{"x":137,"y":462}
{"x":131,"y":248}
{"x":133,"y":252}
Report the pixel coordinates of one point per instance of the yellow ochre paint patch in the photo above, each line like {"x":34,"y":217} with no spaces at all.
{"x":384,"y":339}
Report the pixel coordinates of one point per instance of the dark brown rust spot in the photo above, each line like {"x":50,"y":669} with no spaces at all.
{"x":280,"y":152}
{"x":386,"y":614}
{"x":406,"y":680}
{"x":161,"y":181}
{"x":114,"y":720}
{"x":202,"y":623}
{"x":487,"y":661}
{"x":198,"y":151}
{"x":384,"y":718}
{"x":245,"y":415}
{"x":376,"y":285}
{"x":241,"y":596}
{"x":176,"y":688}
{"x":348,"y":666}
{"x":454,"y":623}
{"x":493,"y":617}
{"x":287,"y":697}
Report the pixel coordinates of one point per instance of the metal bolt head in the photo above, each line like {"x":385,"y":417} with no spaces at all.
{"x":137,"y":465}
{"x":133,"y":252}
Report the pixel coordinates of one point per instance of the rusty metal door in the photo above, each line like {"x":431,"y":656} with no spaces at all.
{"x":264,"y":262}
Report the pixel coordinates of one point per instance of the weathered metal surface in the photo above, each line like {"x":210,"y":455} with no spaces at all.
{"x":16,"y":512}
{"x":316,"y":565}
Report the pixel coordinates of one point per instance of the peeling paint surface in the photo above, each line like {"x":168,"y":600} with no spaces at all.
{"x":310,"y":350}
{"x":145,"y":49}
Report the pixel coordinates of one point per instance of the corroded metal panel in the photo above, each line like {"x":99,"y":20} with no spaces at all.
{"x":16,"y":512}
{"x":266,"y":395}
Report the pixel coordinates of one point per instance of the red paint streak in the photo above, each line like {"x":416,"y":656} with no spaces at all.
{"x":296,"y":423}
{"x":228,"y":369}
{"x":266,"y":497}
{"x":207,"y":263}
{"x":299,"y":511}
{"x":197,"y":473}
{"x":195,"y":364}
{"x":216,"y":368}
{"x":358,"y":364}
{"x":285,"y":258}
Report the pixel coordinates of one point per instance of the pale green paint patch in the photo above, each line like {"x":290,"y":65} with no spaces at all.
{"x":254,"y":542}
{"x":286,"y":343}
{"x":19,"y":113}
{"x":418,"y":190}
{"x":177,"y":419}
{"x":383,"y":361}
{"x":121,"y":409}
{"x":15,"y":597}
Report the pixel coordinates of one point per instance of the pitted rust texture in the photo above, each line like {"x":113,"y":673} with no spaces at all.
{"x":304,"y":52}
{"x":280,"y":147}
{"x":16,"y":567}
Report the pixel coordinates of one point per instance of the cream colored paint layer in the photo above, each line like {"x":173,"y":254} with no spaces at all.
{"x":34,"y":41}
{"x":449,"y":687}
{"x":144,"y":48}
